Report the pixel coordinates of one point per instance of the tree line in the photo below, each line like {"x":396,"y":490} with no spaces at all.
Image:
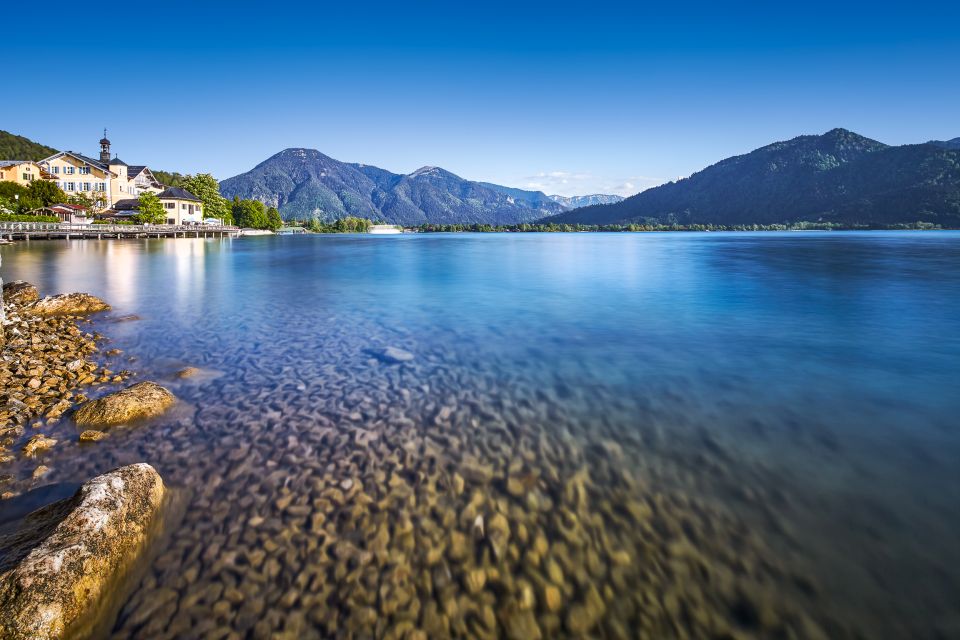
{"x":17,"y":200}
{"x":618,"y":228}
{"x":349,"y":224}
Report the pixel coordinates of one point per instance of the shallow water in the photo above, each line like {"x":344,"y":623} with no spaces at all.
{"x":709,"y":433}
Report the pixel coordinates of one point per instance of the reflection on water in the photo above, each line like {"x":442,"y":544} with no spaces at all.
{"x":661,"y":434}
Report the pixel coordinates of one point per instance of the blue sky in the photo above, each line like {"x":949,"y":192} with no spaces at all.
{"x":571,"y":99}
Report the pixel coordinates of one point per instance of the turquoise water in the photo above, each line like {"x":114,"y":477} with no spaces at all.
{"x":802,"y":387}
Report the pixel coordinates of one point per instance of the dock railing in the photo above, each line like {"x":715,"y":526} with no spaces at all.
{"x":13,"y":230}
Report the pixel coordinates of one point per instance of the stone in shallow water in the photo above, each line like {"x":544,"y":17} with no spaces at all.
{"x":552,"y":598}
{"x":92,"y":435}
{"x":74,"y":304}
{"x":187,"y":372}
{"x":475,"y":580}
{"x":38,"y":443}
{"x":56,"y":587}
{"x":142,"y":400}
{"x":393,"y":355}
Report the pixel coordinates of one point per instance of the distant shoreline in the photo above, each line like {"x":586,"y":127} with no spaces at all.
{"x":642,"y":228}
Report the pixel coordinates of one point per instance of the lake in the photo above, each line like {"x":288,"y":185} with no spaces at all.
{"x":602,"y":435}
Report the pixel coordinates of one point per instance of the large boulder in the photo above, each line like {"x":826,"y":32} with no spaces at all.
{"x":59,"y":587}
{"x":142,"y":400}
{"x":68,"y":304}
{"x":20,"y":293}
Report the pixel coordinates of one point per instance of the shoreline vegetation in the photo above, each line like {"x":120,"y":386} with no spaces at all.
{"x":639,"y":228}
{"x":361,"y":225}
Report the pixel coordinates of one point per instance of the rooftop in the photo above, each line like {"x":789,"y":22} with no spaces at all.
{"x":176,"y":193}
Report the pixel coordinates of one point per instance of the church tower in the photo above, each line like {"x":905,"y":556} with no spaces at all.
{"x":104,"y":148}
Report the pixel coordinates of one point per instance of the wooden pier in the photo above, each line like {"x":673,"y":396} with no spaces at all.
{"x":54,"y":231}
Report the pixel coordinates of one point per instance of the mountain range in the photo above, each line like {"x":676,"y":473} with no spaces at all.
{"x":575,"y":202}
{"x":304,"y":184}
{"x":839,"y":176}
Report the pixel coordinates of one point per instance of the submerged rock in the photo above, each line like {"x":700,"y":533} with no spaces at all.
{"x":187,"y":372}
{"x":142,"y":400}
{"x":393,"y":355}
{"x":20,"y":293}
{"x":38,"y":443}
{"x":68,"y":304}
{"x":92,"y":435}
{"x":56,"y":588}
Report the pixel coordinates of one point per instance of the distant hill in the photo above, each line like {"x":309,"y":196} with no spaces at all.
{"x":835,"y":177}
{"x":304,"y":183}
{"x":947,"y":144}
{"x":539,"y":199}
{"x":14,"y":147}
{"x":575,"y":202}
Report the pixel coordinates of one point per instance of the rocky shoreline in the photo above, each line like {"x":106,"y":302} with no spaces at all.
{"x":60,"y":563}
{"x":45,"y":369}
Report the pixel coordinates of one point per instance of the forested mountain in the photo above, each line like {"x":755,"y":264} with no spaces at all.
{"x":14,"y":147}
{"x":305,"y":184}
{"x":835,"y":177}
{"x":947,"y":144}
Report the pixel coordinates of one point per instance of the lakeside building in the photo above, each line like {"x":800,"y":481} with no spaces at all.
{"x":66,"y":213}
{"x":179,"y":205}
{"x":107,"y":180}
{"x":23,"y":172}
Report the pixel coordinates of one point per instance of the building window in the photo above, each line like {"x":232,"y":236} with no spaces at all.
{"x":68,"y":170}
{"x":85,"y":170}
{"x":170,"y":205}
{"x":86,"y":186}
{"x":71,"y":186}
{"x":101,"y":186}
{"x":56,"y":169}
{"x":27,"y":177}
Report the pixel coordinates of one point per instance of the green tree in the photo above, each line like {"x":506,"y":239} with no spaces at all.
{"x":80,"y":199}
{"x":46,"y":192}
{"x":150,"y":209}
{"x":169,"y":178}
{"x":249,"y":213}
{"x":206,"y":187}
{"x":274,"y":221}
{"x":17,"y":197}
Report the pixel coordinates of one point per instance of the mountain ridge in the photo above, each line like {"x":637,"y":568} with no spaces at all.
{"x":575,"y":202}
{"x":839,"y":176}
{"x":305,"y":183}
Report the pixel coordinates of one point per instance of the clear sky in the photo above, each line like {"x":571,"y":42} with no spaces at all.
{"x":568,"y":98}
